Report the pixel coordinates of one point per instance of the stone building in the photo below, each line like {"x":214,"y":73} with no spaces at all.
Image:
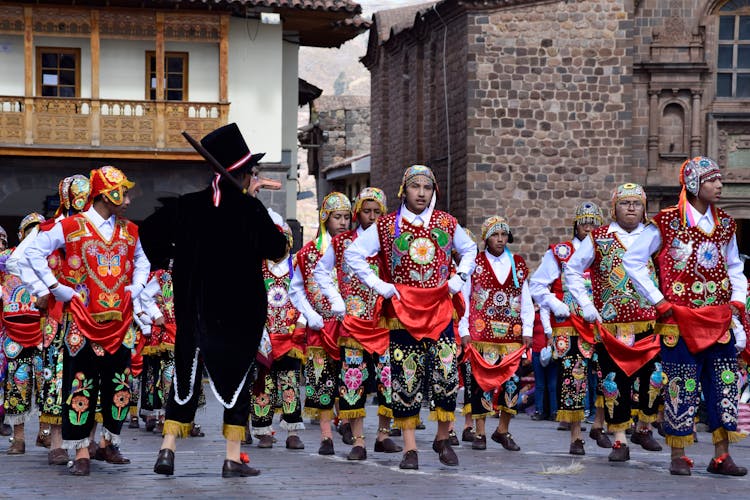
{"x":526,"y":107}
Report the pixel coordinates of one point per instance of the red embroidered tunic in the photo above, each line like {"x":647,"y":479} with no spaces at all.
{"x":20,"y":316}
{"x":282,"y":315}
{"x":307,"y":259}
{"x":494,"y":307}
{"x":692,"y":269}
{"x":613,"y":293}
{"x":562,"y":252}
{"x":162,"y":337}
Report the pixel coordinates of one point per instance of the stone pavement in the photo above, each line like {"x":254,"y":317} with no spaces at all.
{"x":304,"y":474}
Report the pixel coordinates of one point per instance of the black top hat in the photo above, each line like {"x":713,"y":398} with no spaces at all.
{"x":229,"y":148}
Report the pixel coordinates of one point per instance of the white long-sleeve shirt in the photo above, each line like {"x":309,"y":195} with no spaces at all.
{"x":368,"y":244}
{"x":501,"y":266}
{"x":18,"y":265}
{"x":547,"y":272}
{"x":323,"y":272}
{"x":297,"y":289}
{"x":47,"y":242}
{"x":584,"y":256}
{"x":635,"y":258}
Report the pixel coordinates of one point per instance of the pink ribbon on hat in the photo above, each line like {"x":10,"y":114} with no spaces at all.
{"x":217,"y":177}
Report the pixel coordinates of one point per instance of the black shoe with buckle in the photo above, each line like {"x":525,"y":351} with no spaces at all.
{"x":237,"y":469}
{"x":620,"y":452}
{"x":410,"y":460}
{"x":357,"y":453}
{"x":480,"y":442}
{"x":346,"y":433}
{"x":576,"y":447}
{"x":326,"y":447}
{"x":601,"y":438}
{"x":387,"y":446}
{"x":165,"y":462}
{"x":445,"y":452}
{"x":453,"y":438}
{"x":505,"y":439}
{"x":467,"y":435}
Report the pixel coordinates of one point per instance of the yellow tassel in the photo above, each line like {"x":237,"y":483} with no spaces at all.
{"x":98,"y":418}
{"x":735,"y":436}
{"x":562,"y":331}
{"x":440,"y":415}
{"x":482,"y":415}
{"x":666,"y":329}
{"x":719,"y":435}
{"x":177,"y":429}
{"x":325,"y":414}
{"x":296,"y":353}
{"x":233,"y":432}
{"x":679,"y":441}
{"x":46,"y":418}
{"x":349,"y":342}
{"x":599,"y":403}
{"x":384,"y":411}
{"x":406,"y":423}
{"x":505,"y":409}
{"x":661,"y":408}
{"x":466,"y":410}
{"x":634,"y":412}
{"x":634,"y":328}
{"x":311,"y":412}
{"x":359,"y":413}
{"x":107,"y":316}
{"x":647,"y":419}
{"x":391,"y":323}
{"x":133,"y":411}
{"x":571,"y":416}
{"x":619,"y":427}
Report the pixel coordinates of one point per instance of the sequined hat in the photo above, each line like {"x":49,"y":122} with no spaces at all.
{"x":28,"y":221}
{"x":588,"y":213}
{"x":333,"y":202}
{"x":696,"y":171}
{"x":110,"y":182}
{"x":494,"y":225}
{"x":74,"y":192}
{"x":370,"y":194}
{"x":3,"y":236}
{"x":416,"y":171}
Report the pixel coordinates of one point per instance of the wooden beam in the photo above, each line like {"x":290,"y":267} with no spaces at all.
{"x":224,"y":60}
{"x":95,"y":60}
{"x":28,"y":58}
{"x":100,"y":153}
{"x":161,"y":132}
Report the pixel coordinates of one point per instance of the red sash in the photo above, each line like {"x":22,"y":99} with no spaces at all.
{"x":26,"y":334}
{"x":367,"y":332}
{"x":327,"y":338}
{"x":282,"y":344}
{"x":629,"y":359}
{"x":701,"y":327}
{"x":109,"y":334}
{"x":489,"y":376}
{"x":584,"y":328}
{"x":424,"y":312}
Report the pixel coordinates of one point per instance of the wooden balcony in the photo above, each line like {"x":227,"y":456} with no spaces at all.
{"x":90,"y":127}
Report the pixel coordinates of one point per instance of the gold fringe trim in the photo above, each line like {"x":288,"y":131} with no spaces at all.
{"x":391,"y":324}
{"x":505,"y":409}
{"x":359,"y":413}
{"x":571,"y":416}
{"x":384,"y":411}
{"x":297,"y":353}
{"x":564,"y":330}
{"x":325,"y":414}
{"x":46,"y":418}
{"x":619,"y":427}
{"x":501,"y":349}
{"x":661,"y":408}
{"x":721,"y":434}
{"x":736,"y":436}
{"x":154,"y":350}
{"x":177,"y":429}
{"x":233,"y":432}
{"x":466,"y":410}
{"x":634,"y":413}
{"x":482,"y":415}
{"x":599,"y":403}
{"x":633,"y":328}
{"x":406,"y":423}
{"x":666,"y":329}
{"x":98,"y":418}
{"x":440,"y":415}
{"x":133,"y":411}
{"x":679,"y":441}
{"x":350,"y":342}
{"x":311,"y":412}
{"x":107,"y":316}
{"x":646,"y":419}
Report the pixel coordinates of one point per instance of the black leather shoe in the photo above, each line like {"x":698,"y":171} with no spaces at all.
{"x":387,"y":446}
{"x":576,"y":447}
{"x":468,"y":435}
{"x":725,"y":465}
{"x":453,"y":438}
{"x":537,"y":416}
{"x":680,"y":466}
{"x":5,"y":430}
{"x":237,"y":469}
{"x":326,"y":447}
{"x":601,"y":438}
{"x":357,"y":453}
{"x":420,"y":426}
{"x":506,"y":440}
{"x":150,"y":424}
{"x":646,"y":440}
{"x":134,"y":424}
{"x":480,"y":443}
{"x":620,"y":452}
{"x":111,"y":454}
{"x":410,"y":460}
{"x":395,"y":432}
{"x":165,"y":462}
{"x":81,"y":467}
{"x":445,"y":452}
{"x":293,"y":442}
{"x":346,"y":433}
{"x":265,"y":441}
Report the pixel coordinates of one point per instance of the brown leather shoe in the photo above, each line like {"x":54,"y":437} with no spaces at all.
{"x":479,"y":443}
{"x":17,"y":447}
{"x":293,"y":442}
{"x":346,"y":433}
{"x":5,"y":429}
{"x":467,"y":435}
{"x":165,"y":462}
{"x":81,"y":467}
{"x":58,"y":456}
{"x":265,"y":441}
{"x":576,"y":447}
{"x":410,"y":460}
{"x":680,"y":466}
{"x":44,"y":438}
{"x":237,"y":469}
{"x":445,"y":452}
{"x":505,"y":439}
{"x":620,"y":452}
{"x":601,"y":438}
{"x":453,"y":438}
{"x":326,"y":447}
{"x":725,"y":465}
{"x":357,"y":453}
{"x":646,"y":440}
{"x":134,"y":424}
{"x":111,"y":454}
{"x":387,"y":445}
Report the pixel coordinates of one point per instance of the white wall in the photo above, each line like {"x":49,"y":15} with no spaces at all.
{"x":290,"y":99}
{"x":255,"y":62}
{"x":11,"y":65}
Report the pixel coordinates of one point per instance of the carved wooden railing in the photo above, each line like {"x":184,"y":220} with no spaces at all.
{"x":50,"y":121}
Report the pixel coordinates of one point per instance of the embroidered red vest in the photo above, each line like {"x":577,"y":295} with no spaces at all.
{"x":99,"y":270}
{"x":420,"y":256}
{"x":17,"y":299}
{"x":282,"y":316}
{"x":165,"y":303}
{"x":692,"y":264}
{"x":359,"y":298}
{"x":614,"y":295}
{"x":307,"y":259}
{"x":494,"y":307}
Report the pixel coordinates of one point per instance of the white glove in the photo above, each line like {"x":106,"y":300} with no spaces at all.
{"x":63,"y":293}
{"x":276,"y":218}
{"x":740,"y":337}
{"x":387,"y":290}
{"x":135,"y":290}
{"x":590,"y":314}
{"x":142,"y":325}
{"x":558,"y":307}
{"x":314,"y":320}
{"x":455,"y":284}
{"x":338,"y":308}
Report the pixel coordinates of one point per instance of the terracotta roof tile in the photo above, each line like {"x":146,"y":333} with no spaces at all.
{"x":322,"y":5}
